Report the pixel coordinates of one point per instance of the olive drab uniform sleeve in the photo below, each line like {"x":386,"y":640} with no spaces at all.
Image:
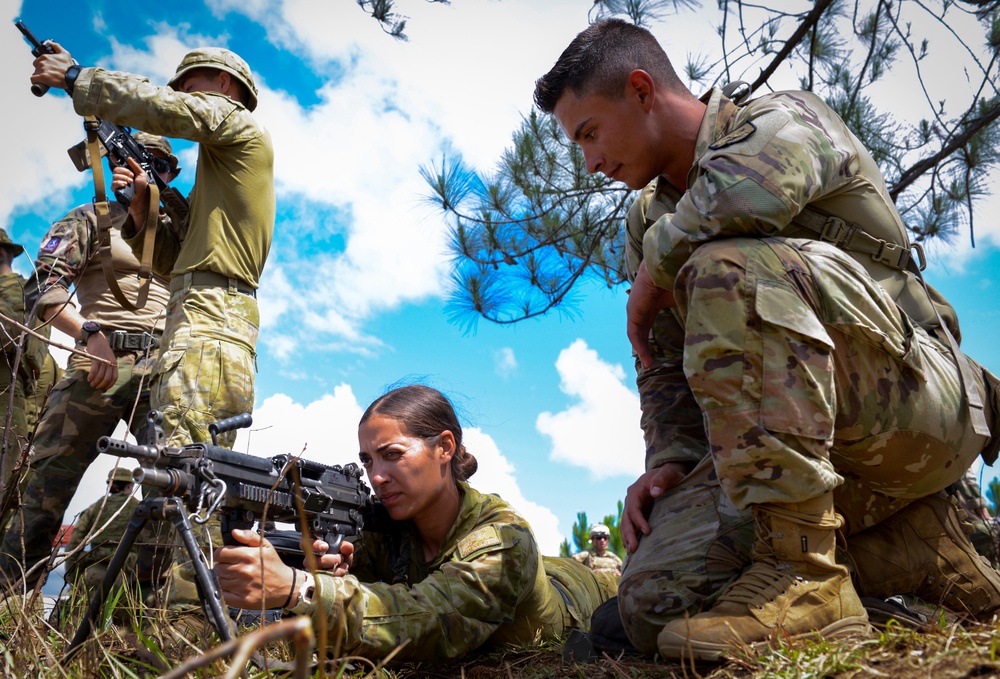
{"x":232,"y":204}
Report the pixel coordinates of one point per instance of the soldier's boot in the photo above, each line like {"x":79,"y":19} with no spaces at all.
{"x":792,"y":587}
{"x":923,"y":550}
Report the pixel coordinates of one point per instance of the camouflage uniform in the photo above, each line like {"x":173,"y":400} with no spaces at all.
{"x":17,"y":382}
{"x":786,"y":358}
{"x":49,"y":377}
{"x":205,"y":368}
{"x":489,"y":585}
{"x":78,"y":414}
{"x":609,"y":562}
{"x":87,"y":568}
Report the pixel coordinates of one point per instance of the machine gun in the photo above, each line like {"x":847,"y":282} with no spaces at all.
{"x":202,"y":479}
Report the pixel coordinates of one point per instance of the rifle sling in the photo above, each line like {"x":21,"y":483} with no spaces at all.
{"x":103,"y":212}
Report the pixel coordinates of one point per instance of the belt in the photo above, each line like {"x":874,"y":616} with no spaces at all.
{"x":132,"y":341}
{"x":210,"y":279}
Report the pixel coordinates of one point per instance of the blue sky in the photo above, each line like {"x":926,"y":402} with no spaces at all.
{"x":354,"y":292}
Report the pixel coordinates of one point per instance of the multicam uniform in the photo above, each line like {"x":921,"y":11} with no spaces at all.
{"x":608,"y":563}
{"x":786,"y":358}
{"x":78,"y":414}
{"x":488,"y":585}
{"x":969,"y":496}
{"x":205,"y":370}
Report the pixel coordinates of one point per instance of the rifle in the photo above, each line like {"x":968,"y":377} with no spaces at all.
{"x":120,"y":145}
{"x":203,"y":478}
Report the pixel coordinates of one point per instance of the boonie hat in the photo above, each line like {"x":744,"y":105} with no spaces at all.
{"x":6,"y":242}
{"x":221,"y":59}
{"x":162,"y":144}
{"x":120,"y":474}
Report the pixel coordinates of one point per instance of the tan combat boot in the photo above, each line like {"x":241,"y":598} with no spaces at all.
{"x":923,"y":550}
{"x":793,"y":586}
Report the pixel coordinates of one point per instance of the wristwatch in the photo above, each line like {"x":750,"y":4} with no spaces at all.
{"x":72,"y":73}
{"x":87,"y":329}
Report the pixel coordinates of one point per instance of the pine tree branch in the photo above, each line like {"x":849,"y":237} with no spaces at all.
{"x":800,"y":33}
{"x":916,"y":171}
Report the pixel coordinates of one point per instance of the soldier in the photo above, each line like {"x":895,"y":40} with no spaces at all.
{"x":96,"y":393}
{"x":85,"y":569}
{"x":461,"y":570}
{"x":17,"y":382}
{"x":794,"y":351}
{"x":601,"y":559}
{"x":205,"y":368}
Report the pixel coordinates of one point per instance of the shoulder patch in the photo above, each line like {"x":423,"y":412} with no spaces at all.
{"x":735,"y":137}
{"x":479,"y":540}
{"x":52,"y":244}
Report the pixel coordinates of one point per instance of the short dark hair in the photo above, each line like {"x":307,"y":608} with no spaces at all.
{"x":425,"y":413}
{"x":600,"y":59}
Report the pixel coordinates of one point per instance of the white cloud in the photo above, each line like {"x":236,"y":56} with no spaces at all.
{"x":504,"y":362}
{"x":601,"y":431}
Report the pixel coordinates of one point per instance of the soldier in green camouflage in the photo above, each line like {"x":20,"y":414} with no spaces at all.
{"x":99,"y":391}
{"x":205,"y":368}
{"x":791,"y":362}
{"x":460,"y":570}
{"x":16,"y":381}
{"x":102,"y":525}
{"x":600,"y":558}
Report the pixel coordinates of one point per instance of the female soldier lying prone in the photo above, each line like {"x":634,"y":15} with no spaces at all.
{"x":463,"y":571}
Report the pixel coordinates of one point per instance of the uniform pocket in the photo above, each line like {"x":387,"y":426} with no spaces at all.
{"x":797,"y":364}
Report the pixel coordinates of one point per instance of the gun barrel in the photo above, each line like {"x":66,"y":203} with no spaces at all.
{"x":169,"y":481}
{"x":111,"y":446}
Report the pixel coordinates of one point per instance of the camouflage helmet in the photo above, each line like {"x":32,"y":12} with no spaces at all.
{"x":222,"y":60}
{"x":154,"y":142}
{"x":6,"y":242}
{"x":120,"y":474}
{"x":600,"y":530}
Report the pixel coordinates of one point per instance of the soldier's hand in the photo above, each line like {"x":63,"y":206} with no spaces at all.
{"x":640,"y":497}
{"x":337,"y":564}
{"x":139,"y":207}
{"x":253,"y":575}
{"x":50,"y":69}
{"x":645,"y":300}
{"x":102,"y":376}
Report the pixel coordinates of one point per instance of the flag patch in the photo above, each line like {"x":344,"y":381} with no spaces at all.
{"x":52,"y":244}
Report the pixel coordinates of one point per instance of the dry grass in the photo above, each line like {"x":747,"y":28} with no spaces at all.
{"x":136,"y":642}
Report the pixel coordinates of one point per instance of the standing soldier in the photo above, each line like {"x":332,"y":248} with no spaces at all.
{"x":85,"y":569}
{"x":205,"y":369}
{"x":96,"y":393}
{"x":601,"y":559}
